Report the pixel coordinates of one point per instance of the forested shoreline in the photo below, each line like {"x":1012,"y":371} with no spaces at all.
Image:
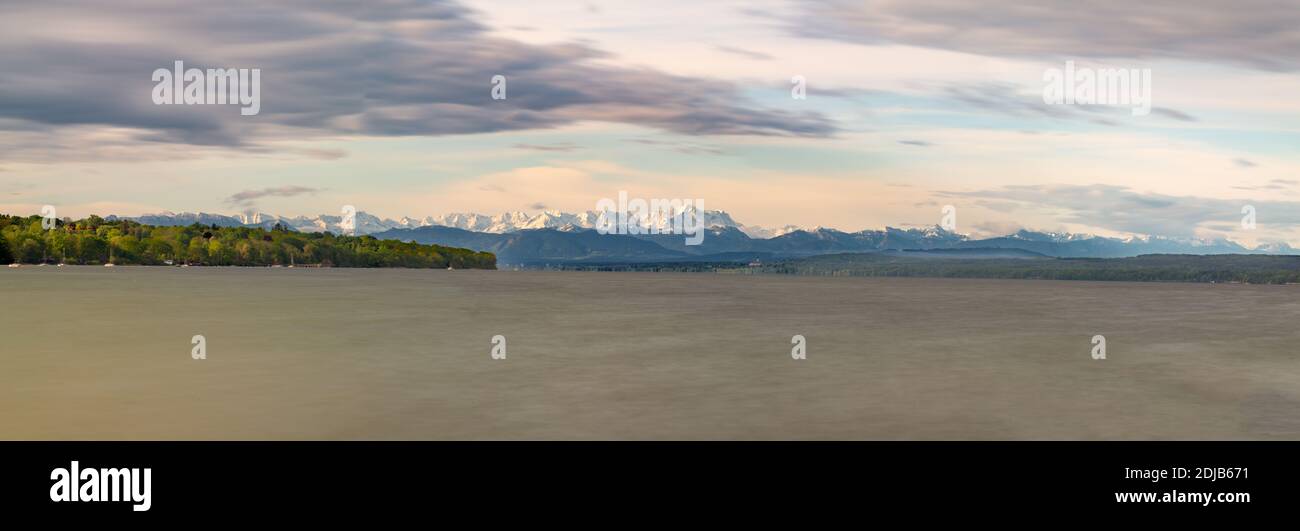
{"x":94,"y":241}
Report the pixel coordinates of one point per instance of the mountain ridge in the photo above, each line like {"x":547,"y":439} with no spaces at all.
{"x":724,"y":235}
{"x":534,"y":246}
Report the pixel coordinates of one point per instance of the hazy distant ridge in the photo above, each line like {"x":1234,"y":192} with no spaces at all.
{"x":730,"y":244}
{"x":519,"y":237}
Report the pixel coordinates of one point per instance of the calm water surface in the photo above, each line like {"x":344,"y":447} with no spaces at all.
{"x":100,"y":353}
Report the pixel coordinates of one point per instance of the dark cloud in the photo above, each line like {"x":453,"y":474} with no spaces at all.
{"x":375,"y":68}
{"x":248,"y":197}
{"x":1122,"y":209}
{"x":1254,"y":33}
{"x":918,"y":143}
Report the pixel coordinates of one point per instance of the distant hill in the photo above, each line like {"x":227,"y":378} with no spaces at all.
{"x":366,"y":223}
{"x":533,"y":247}
{"x":967,"y":253}
{"x":575,"y":245}
{"x":724,"y":235}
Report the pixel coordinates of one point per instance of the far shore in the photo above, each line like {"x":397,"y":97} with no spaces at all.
{"x":728,"y":270}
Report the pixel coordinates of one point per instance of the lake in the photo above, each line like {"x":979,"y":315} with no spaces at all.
{"x":105,"y":353}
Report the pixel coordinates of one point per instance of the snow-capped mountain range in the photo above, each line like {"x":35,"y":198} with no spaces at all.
{"x":508,"y":222}
{"x":725,"y":234}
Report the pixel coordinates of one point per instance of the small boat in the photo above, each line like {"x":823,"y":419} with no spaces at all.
{"x":15,"y":266}
{"x":449,"y":268}
{"x":110,"y":264}
{"x":61,"y":265}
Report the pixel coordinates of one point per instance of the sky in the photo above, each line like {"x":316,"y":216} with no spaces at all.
{"x":910,"y":106}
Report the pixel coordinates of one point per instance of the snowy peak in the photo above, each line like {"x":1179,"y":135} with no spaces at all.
{"x":554,"y":219}
{"x":1276,"y":248}
{"x":1034,"y":236}
{"x":754,"y":231}
{"x":366,"y":223}
{"x":927,"y":237}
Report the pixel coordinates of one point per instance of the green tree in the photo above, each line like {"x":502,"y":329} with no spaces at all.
{"x":197,"y":251}
{"x":92,"y":241}
{"x":31,"y":251}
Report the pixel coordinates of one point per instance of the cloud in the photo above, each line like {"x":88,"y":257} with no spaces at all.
{"x":1273,"y":185}
{"x":1006,"y":98}
{"x":1027,"y":102}
{"x":559,"y":146}
{"x":918,"y":143}
{"x":1244,"y":163}
{"x":334,"y":69}
{"x":764,"y":198}
{"x":1121,"y":209}
{"x":1174,"y":114}
{"x":687,"y":148}
{"x":323,"y":154}
{"x":990,"y":229}
{"x":1255,"y":33}
{"x":248,"y":197}
{"x":749,"y":54}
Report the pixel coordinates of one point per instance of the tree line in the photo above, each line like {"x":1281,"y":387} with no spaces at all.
{"x":94,"y":240}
